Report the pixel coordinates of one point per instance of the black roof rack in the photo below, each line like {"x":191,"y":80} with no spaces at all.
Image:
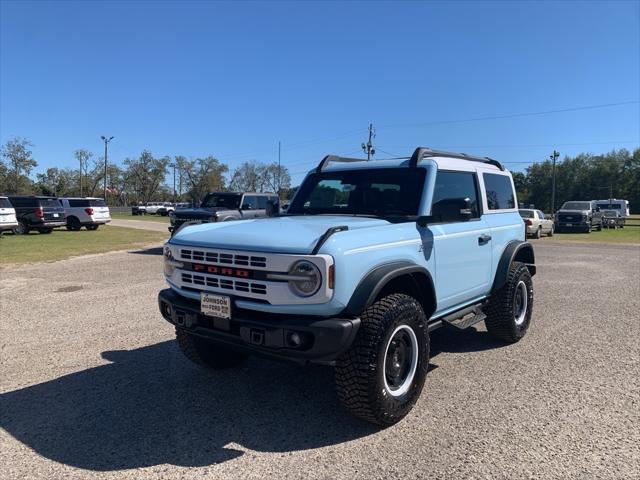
{"x":422,"y":152}
{"x":418,"y":154}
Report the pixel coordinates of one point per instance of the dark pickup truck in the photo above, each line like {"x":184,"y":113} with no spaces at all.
{"x":222,"y":207}
{"x":37,"y":213}
{"x":583,"y":216}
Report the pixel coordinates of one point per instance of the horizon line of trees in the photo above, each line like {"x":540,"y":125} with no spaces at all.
{"x":148,"y":178}
{"x":142,"y":179}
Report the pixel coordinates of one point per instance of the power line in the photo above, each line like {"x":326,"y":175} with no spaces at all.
{"x":515,"y":115}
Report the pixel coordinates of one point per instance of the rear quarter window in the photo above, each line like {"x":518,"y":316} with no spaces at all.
{"x":78,"y":203}
{"x":5,"y":203}
{"x":499,"y":191}
{"x":97,"y":203}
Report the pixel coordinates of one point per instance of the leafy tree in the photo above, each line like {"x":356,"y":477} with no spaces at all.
{"x":83,"y":157}
{"x":276,"y":178}
{"x":248,"y":177}
{"x":146,"y":174}
{"x":202,"y":175}
{"x":19,"y":164}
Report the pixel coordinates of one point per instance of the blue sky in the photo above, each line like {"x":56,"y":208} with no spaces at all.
{"x":231,"y":79}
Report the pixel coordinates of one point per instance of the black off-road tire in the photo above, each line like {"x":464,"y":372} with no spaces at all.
{"x":205,"y":353}
{"x":22,"y":228}
{"x":359,"y":372}
{"x":501,"y":310}
{"x":73,"y":224}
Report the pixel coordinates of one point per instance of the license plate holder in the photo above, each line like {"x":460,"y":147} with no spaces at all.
{"x":569,"y":224}
{"x":213,"y":305}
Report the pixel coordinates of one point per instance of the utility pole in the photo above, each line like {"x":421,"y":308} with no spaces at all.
{"x":173,"y":165}
{"x":279,"y":175}
{"x":80,"y":159}
{"x":368,"y":147}
{"x":106,"y":142}
{"x":554,"y":156}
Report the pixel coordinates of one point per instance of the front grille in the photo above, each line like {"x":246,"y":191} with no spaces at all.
{"x":223,"y":258}
{"x":570,"y":218}
{"x":224,"y":283}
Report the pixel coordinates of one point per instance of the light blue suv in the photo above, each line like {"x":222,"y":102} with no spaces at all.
{"x":370,"y":257}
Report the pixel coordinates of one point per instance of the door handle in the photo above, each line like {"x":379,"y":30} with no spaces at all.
{"x":484,"y":239}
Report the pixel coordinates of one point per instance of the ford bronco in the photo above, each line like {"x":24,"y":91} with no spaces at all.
{"x":370,"y":257}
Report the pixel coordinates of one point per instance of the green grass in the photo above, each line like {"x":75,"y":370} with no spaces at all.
{"x":61,"y":244}
{"x":627,"y":234}
{"x":149,"y":218}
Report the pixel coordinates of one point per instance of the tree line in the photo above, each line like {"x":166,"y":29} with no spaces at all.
{"x":142,"y":179}
{"x":148,"y":178}
{"x":583,"y":177}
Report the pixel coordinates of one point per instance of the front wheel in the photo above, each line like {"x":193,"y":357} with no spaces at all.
{"x":205,"y":353}
{"x":381,"y":376}
{"x":509,"y":309}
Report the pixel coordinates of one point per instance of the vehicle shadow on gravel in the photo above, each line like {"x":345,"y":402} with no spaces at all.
{"x":453,"y":340}
{"x":148,"y":251}
{"x":150,"y":406}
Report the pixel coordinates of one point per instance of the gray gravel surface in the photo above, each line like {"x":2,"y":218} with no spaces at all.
{"x":93,"y":386}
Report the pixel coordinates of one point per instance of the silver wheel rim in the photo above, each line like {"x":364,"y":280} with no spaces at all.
{"x":520,"y":303}
{"x":400,"y":361}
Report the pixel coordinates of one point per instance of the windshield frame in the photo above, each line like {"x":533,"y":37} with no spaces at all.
{"x":416,"y":177}
{"x":225,"y":195}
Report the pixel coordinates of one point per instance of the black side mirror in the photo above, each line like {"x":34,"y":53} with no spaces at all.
{"x":273,"y":208}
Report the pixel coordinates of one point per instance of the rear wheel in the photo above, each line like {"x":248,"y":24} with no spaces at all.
{"x":22,"y":228}
{"x":551,"y":231}
{"x":73,"y":224}
{"x":205,"y":353}
{"x":509,"y":309}
{"x":92,"y":227}
{"x":380,"y":377}
{"x":538,"y":233}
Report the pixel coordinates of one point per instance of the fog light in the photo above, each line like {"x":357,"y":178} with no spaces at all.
{"x":294,"y":339}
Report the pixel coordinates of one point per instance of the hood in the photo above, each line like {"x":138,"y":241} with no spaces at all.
{"x":295,"y":234}
{"x":574,"y":212}
{"x":196,"y":213}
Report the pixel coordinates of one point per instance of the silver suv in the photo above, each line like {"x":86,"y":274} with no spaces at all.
{"x":86,"y":212}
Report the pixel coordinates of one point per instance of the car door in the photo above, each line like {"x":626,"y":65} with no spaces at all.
{"x":249,"y":207}
{"x":462,"y":247}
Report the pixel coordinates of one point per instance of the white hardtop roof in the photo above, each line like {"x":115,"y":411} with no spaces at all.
{"x":442,"y":163}
{"x":82,"y":198}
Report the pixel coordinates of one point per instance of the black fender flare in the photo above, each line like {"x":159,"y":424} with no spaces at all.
{"x":514,"y":251}
{"x":376,"y":279}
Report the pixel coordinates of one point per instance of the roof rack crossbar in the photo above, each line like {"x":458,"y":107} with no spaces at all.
{"x":335,"y":158}
{"x":422,"y":152}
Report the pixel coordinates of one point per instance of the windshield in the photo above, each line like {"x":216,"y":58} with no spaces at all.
{"x":222,"y":200}
{"x":576,"y":206}
{"x":380,"y":192}
{"x":526,"y":213}
{"x":49,"y":202}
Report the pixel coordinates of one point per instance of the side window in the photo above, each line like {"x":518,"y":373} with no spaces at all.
{"x":450,"y":190}
{"x":262,"y":202}
{"x":541,"y":215}
{"x":249,"y":201}
{"x":78,"y":203}
{"x":499,"y":191}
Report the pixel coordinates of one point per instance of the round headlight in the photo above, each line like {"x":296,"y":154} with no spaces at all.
{"x":306,"y":278}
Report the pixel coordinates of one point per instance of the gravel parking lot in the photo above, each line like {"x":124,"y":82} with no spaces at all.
{"x":94,"y":387}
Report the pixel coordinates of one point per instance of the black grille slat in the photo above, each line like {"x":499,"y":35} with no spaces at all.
{"x":223,"y":258}
{"x":227,"y":284}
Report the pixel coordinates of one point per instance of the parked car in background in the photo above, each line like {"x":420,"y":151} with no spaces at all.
{"x":166,"y":209}
{"x":536,"y":223}
{"x":152,"y":208}
{"x":37,"y":213}
{"x":89,"y":212}
{"x":8,"y":219}
{"x":583,"y":216}
{"x":620,"y":206}
{"x":139,"y":209}
{"x":612,"y":219}
{"x":225,"y":206}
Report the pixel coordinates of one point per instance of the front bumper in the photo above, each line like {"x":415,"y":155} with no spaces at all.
{"x":323,"y":339}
